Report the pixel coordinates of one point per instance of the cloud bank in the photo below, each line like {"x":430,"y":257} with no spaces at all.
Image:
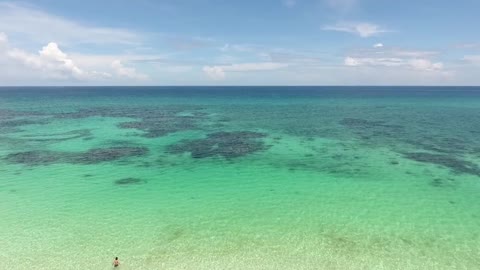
{"x":52,"y":63}
{"x":417,"y":64}
{"x":41,"y":27}
{"x":362,"y":29}
{"x":127,"y":72}
{"x":219,"y":72}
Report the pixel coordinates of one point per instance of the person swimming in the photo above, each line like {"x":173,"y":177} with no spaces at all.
{"x":116,"y":262}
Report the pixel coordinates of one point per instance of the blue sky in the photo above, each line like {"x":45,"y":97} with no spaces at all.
{"x":214,"y":42}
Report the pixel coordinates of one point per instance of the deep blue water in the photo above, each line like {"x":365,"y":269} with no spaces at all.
{"x":250,"y":91}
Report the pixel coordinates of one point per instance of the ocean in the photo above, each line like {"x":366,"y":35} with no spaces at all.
{"x":240,"y":178}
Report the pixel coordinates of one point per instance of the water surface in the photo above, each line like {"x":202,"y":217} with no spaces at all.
{"x":240,"y":177}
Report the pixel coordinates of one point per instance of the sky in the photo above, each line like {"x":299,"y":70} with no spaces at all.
{"x":220,"y":42}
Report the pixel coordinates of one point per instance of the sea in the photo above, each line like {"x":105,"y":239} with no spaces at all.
{"x":207,"y":178}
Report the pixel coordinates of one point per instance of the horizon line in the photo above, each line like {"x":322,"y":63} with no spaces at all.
{"x":151,"y":86}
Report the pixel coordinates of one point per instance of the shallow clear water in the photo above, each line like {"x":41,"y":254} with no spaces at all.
{"x":240,"y":178}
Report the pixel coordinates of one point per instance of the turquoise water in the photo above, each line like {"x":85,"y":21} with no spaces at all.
{"x":240,"y":178}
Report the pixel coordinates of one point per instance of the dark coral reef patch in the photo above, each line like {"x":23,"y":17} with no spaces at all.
{"x":34,"y":158}
{"x":222,"y":144}
{"x":155,"y":121}
{"x":93,"y":156}
{"x":455,"y":164}
{"x":99,"y":155}
{"x":129,"y":181}
{"x":368,"y":129}
{"x":11,"y":121}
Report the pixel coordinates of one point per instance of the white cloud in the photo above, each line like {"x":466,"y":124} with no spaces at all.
{"x":289,"y":3}
{"x":234,"y":53}
{"x":41,"y":27}
{"x":3,"y":38}
{"x":416,"y":64}
{"x":424,"y":64}
{"x":31,"y":27}
{"x":214,"y":72}
{"x":410,"y":53}
{"x":127,"y":72}
{"x":387,"y":62}
{"x":97,"y":61}
{"x":351,"y":62}
{"x":473,"y":59}
{"x":361,"y":29}
{"x":242,"y":48}
{"x":50,"y":62}
{"x":52,"y":53}
{"x":219,"y":72}
{"x":380,"y":51}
